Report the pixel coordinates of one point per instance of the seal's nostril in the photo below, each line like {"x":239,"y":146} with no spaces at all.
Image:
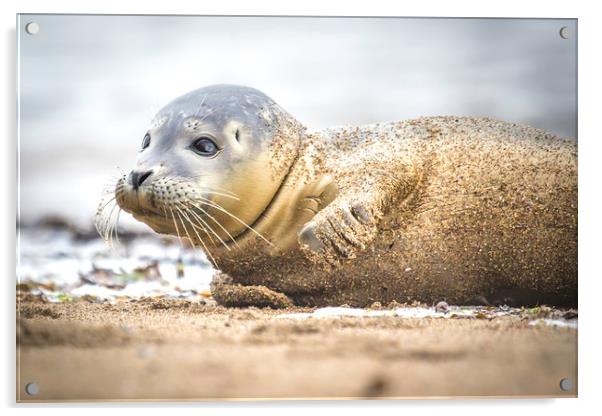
{"x":137,"y":178}
{"x":144,"y":177}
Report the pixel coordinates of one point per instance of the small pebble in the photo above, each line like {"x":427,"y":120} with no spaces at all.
{"x":442,"y":307}
{"x":571,"y":314}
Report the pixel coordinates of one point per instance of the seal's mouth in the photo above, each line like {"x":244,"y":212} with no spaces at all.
{"x":148,"y":213}
{"x":157,"y":221}
{"x":132,"y":203}
{"x":141,"y":205}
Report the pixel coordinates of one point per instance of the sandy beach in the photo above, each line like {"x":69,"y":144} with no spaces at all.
{"x":170,"y":349}
{"x":140,"y":324}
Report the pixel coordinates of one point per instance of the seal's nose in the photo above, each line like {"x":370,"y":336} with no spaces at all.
{"x":137,"y":178}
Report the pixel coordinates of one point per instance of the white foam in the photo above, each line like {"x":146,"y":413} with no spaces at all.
{"x":563,"y":323}
{"x":422,"y":312}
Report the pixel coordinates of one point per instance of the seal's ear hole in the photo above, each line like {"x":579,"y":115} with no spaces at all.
{"x":237,"y":135}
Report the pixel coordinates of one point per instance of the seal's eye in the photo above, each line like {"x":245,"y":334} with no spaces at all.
{"x":146,"y":141}
{"x":204,"y":146}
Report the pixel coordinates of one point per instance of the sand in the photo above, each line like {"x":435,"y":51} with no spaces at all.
{"x":169,"y":349}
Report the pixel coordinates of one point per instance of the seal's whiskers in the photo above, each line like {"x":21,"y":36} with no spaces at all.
{"x":104,"y":220}
{"x":185,"y":228}
{"x":222,"y":194}
{"x":113,"y":228}
{"x":104,"y":204}
{"x":195,"y":224}
{"x":225,"y":211}
{"x":174,"y":223}
{"x":206,"y":225}
{"x":198,"y":111}
{"x":218,"y":190}
{"x":215,"y":221}
{"x":117,"y":226}
{"x":107,"y":224}
{"x":222,"y":189}
{"x":199,"y":237}
{"x":207,"y":115}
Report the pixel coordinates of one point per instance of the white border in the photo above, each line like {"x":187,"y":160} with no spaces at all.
{"x":590,"y":153}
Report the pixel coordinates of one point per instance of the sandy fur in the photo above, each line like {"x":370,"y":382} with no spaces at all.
{"x":461,"y":209}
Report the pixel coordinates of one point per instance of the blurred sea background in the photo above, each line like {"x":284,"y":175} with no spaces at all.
{"x":89,"y":86}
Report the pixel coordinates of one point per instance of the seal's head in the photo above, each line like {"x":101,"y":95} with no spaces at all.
{"x":211,"y":163}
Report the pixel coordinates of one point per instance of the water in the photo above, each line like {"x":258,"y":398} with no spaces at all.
{"x":54,"y":263}
{"x":454,"y":312}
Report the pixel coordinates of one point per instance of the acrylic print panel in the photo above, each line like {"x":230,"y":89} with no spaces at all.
{"x":284,"y":207}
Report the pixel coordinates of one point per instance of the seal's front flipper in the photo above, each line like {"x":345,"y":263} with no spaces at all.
{"x":339,"y":231}
{"x":237,"y":295}
{"x":350,"y":223}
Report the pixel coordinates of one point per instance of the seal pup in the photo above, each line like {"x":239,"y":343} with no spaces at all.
{"x":466,"y":210}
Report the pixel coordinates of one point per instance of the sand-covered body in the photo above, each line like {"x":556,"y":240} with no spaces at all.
{"x":468,"y":210}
